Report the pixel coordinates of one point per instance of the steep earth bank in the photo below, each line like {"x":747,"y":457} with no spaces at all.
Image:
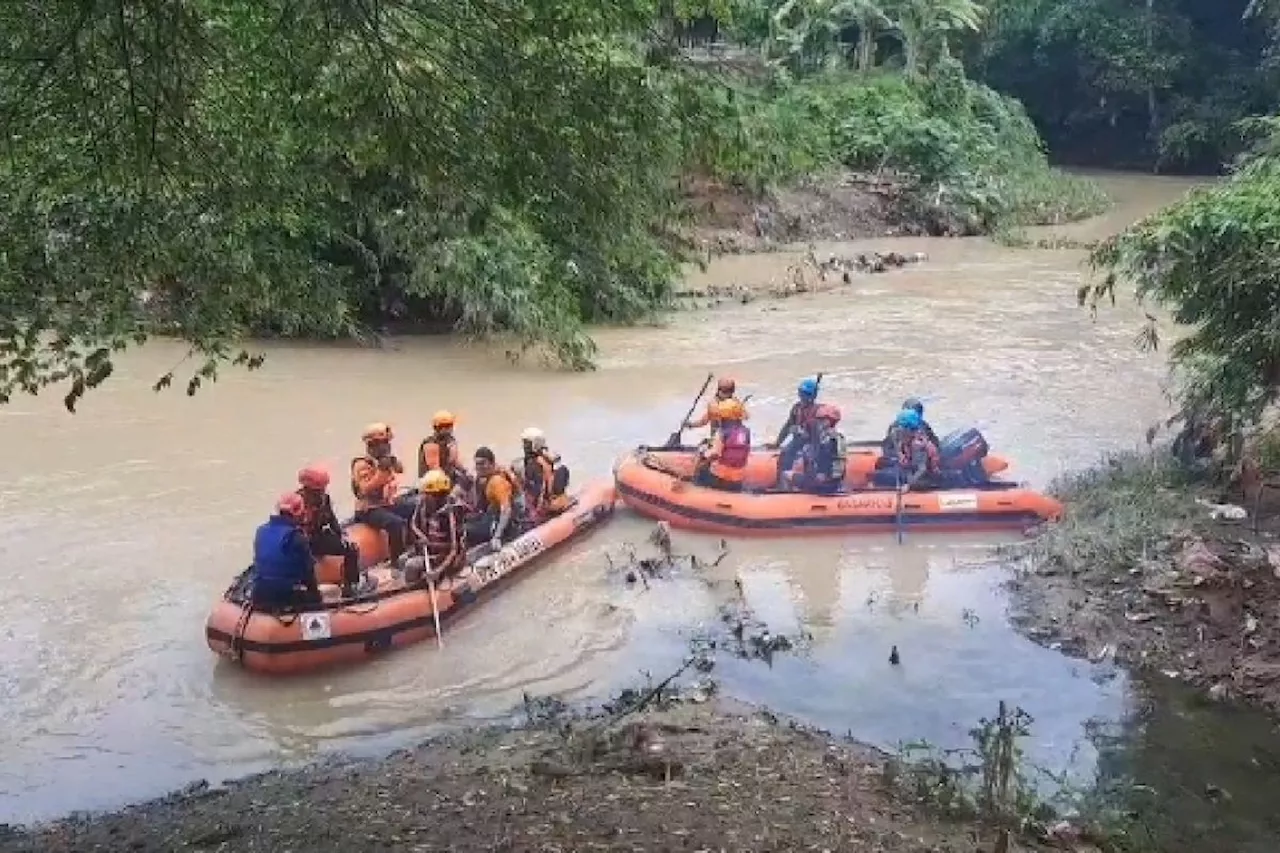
{"x":690,"y":777}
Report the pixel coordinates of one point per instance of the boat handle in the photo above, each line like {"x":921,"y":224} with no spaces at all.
{"x":818,"y":507}
{"x":724,"y":506}
{"x":1004,"y":503}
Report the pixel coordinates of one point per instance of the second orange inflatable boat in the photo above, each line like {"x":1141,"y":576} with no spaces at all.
{"x":645,"y":485}
{"x":393,"y":613}
{"x":762,"y":470}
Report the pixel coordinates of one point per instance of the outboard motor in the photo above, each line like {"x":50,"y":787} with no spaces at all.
{"x":963,"y":451}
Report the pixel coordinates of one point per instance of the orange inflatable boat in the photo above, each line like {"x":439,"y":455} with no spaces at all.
{"x":391,"y":614}
{"x":862,"y":457}
{"x":645,"y":485}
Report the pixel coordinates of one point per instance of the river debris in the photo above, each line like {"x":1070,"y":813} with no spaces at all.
{"x":808,"y":274}
{"x":662,"y":561}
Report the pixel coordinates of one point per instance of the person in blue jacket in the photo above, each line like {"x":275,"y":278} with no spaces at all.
{"x":284,"y":571}
{"x":798,"y":431}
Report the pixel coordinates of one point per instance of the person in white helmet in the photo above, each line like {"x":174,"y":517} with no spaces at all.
{"x":545,"y":478}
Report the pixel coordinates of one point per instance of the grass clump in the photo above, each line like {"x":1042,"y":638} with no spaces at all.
{"x":1118,"y":513}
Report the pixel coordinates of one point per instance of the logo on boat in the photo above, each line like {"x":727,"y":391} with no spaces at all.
{"x":315,"y":626}
{"x":867,"y":502}
{"x":961,"y":502}
{"x":518,"y":552}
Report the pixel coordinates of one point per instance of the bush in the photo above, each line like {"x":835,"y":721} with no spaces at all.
{"x":966,"y":154}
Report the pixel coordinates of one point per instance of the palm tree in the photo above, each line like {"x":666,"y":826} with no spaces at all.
{"x":806,"y":33}
{"x":925,"y":26}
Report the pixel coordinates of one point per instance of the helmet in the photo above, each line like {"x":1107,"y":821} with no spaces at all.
{"x":435,"y":482}
{"x":726,"y":386}
{"x":290,"y":504}
{"x":808,"y":388}
{"x":914,"y":404}
{"x":829,"y":413}
{"x":313,"y":477}
{"x":534,"y":436}
{"x":908,"y":419}
{"x":730,"y":410}
{"x":442,"y":420}
{"x":376,"y":432}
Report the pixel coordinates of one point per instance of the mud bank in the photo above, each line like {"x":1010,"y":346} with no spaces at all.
{"x":688,"y":777}
{"x":1157,"y":569}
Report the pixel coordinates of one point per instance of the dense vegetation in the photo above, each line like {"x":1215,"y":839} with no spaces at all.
{"x":1133,"y":83}
{"x":217,"y":169}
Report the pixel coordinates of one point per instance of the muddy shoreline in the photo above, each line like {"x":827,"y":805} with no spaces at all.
{"x":1160,"y":573}
{"x":709,"y":776}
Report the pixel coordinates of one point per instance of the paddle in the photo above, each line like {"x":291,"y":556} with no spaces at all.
{"x":674,"y":440}
{"x":435,"y":603}
{"x":898,"y":488}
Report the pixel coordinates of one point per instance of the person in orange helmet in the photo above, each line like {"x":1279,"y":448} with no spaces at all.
{"x":284,"y":572}
{"x":546,"y":478}
{"x":324,"y":531}
{"x":726,"y":389}
{"x":375,"y":484}
{"x":723,"y":465}
{"x":439,"y":451}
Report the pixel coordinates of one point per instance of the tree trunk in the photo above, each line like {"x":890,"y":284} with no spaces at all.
{"x":865,"y":59}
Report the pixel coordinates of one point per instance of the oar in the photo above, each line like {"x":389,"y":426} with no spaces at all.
{"x":674,"y":440}
{"x":898,"y":488}
{"x":431,"y":588}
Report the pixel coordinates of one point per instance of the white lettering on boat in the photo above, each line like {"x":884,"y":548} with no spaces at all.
{"x":515,"y":553}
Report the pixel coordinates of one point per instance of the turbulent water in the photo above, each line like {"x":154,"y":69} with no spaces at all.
{"x":123,"y":523}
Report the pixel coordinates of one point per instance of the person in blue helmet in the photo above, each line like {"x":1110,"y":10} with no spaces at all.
{"x":914,"y":462}
{"x":913,"y":404}
{"x":284,"y":570}
{"x":798,"y":431}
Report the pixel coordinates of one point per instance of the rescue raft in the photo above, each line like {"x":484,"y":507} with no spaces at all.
{"x":962,"y":448}
{"x":645,"y":485}
{"x":391,"y":614}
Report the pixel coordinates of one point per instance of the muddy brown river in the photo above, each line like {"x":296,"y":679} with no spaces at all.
{"x":122,"y":524}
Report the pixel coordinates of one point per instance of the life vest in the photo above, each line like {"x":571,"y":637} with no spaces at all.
{"x":735,"y":446}
{"x":539,"y":475}
{"x":440,"y":530}
{"x":480,"y":497}
{"x":907,"y":450}
{"x":830,"y":455}
{"x":384,"y":482}
{"x":443,"y":455}
{"x":315,"y":506}
{"x":277,"y":559}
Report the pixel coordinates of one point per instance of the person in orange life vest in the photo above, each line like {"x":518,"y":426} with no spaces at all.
{"x":723,"y":465}
{"x":918,"y":458}
{"x":320,"y":523}
{"x":375,"y":484}
{"x":494,"y":505}
{"x":284,"y":572}
{"x":439,"y":525}
{"x":440,"y":450}
{"x":797,"y":432}
{"x":546,"y":480}
{"x":725,"y":390}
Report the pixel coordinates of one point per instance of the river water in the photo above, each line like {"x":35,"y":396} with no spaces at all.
{"x":120,"y":535}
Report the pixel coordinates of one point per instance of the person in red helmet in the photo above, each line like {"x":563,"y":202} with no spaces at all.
{"x":825,"y":457}
{"x":726,"y":389}
{"x":324,"y":531}
{"x":284,"y":572}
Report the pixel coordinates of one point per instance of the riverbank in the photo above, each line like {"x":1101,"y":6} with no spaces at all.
{"x":1160,"y":570}
{"x":705,"y":776}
